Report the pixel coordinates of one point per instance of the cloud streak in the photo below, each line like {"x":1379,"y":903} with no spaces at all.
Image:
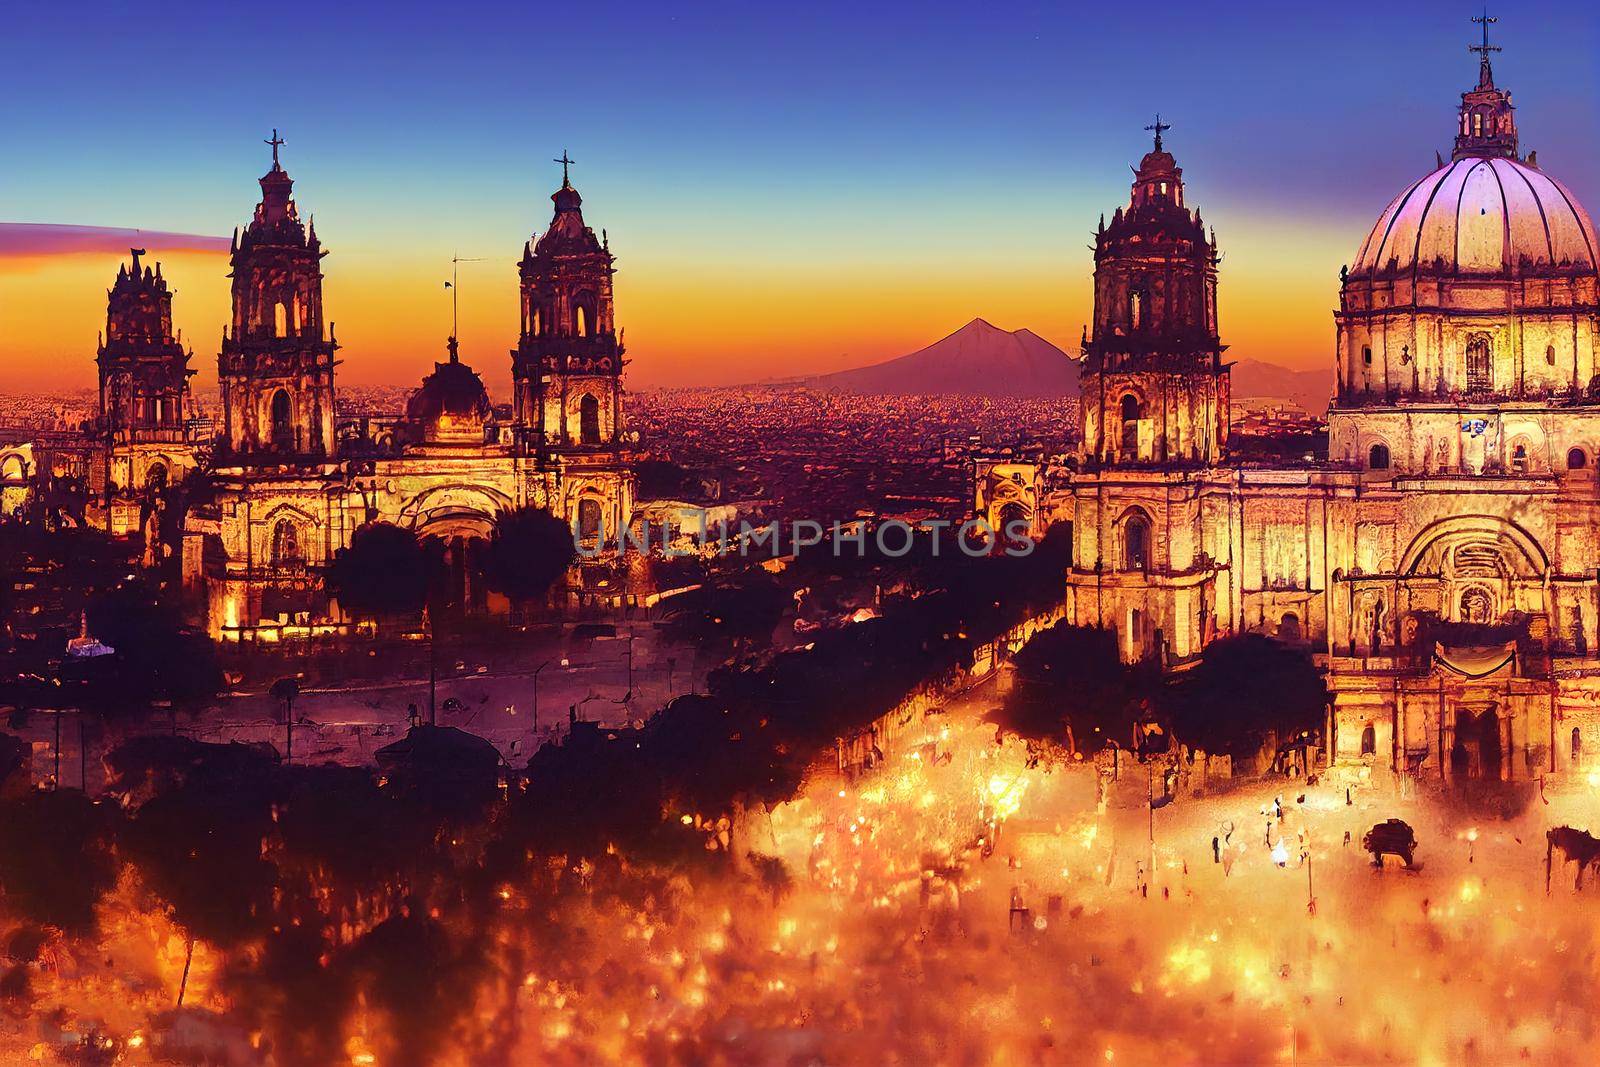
{"x":31,"y":239}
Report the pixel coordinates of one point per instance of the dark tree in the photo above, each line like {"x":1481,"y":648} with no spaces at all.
{"x":155,"y":657}
{"x":1245,"y":690}
{"x":56,"y":856}
{"x":383,"y":574}
{"x":529,"y":550}
{"x":1072,"y":687}
{"x":735,"y":613}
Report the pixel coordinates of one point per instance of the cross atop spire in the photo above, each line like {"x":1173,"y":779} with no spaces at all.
{"x":1485,"y":72}
{"x":1158,"y":126}
{"x":565,"y":163}
{"x":276,"y":142}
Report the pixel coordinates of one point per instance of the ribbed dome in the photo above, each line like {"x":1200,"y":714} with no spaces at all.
{"x":1481,"y":215}
{"x":452,"y":403}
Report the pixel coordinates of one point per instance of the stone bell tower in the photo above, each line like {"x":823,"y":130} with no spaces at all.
{"x":144,"y":406}
{"x":567,"y":373}
{"x":567,"y":366}
{"x":276,"y":367}
{"x":1155,"y":391}
{"x":144,"y":370}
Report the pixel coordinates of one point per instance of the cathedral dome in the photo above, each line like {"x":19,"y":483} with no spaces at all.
{"x":452,"y":404}
{"x":1485,"y":216}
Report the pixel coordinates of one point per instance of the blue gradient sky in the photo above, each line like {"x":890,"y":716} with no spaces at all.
{"x":789,"y":188}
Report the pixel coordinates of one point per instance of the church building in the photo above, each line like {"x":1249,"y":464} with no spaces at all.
{"x":292,"y":485}
{"x":1441,"y":562}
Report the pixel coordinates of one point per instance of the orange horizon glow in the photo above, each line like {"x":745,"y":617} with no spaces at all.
{"x":706,"y":325}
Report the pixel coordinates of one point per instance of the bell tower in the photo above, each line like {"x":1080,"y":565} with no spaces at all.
{"x":144,"y":370}
{"x":1155,"y":391}
{"x":567,"y":367}
{"x":567,"y":374}
{"x":276,"y":367}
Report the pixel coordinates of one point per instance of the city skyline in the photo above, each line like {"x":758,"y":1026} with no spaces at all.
{"x":770,"y":219}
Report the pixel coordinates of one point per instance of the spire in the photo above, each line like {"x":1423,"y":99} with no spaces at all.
{"x":1485,"y":71}
{"x":1158,"y":126}
{"x":1487,"y":127}
{"x":276,"y":142}
{"x":566,"y":197}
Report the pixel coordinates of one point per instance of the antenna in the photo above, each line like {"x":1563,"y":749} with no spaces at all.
{"x":454,"y":285}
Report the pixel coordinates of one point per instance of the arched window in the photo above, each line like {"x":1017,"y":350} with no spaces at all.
{"x":533,"y":327}
{"x":1480,"y":364}
{"x":12,"y":470}
{"x":282,"y":421}
{"x":1550,"y":354}
{"x":589,"y":420}
{"x":1577,"y":745}
{"x":1138,"y":309}
{"x":1131,"y":413}
{"x":589,"y":520}
{"x":286,"y":545}
{"x":155,"y":478}
{"x":1289,"y":627}
{"x":1378,"y":457}
{"x":280,"y":320}
{"x":583,"y":321}
{"x":1577,"y":459}
{"x":1136,"y":542}
{"x":1369,"y":740}
{"x":1366,"y":355}
{"x":1477,"y":124}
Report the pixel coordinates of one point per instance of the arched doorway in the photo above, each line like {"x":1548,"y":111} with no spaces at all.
{"x":1013,"y":519}
{"x":1476,"y":752}
{"x":282,"y":421}
{"x":1289,"y":627}
{"x":589,"y":420}
{"x":1136,"y":541}
{"x":1369,"y":740}
{"x":1130,"y":412}
{"x":457,"y":538}
{"x":590,"y":521}
{"x":286,"y":550}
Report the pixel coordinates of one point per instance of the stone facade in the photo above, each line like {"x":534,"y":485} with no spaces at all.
{"x":292,"y":487}
{"x":1442,"y":561}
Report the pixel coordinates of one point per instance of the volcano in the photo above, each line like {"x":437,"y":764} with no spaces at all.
{"x":980,"y":359}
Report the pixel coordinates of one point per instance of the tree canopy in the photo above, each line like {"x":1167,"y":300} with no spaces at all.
{"x":1245,"y":688}
{"x":529,"y":549}
{"x":1071,"y":686}
{"x":384,"y":572}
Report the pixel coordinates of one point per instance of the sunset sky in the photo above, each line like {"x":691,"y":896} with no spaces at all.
{"x":789,"y":188}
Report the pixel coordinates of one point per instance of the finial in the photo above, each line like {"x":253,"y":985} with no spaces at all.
{"x":1438,"y":160}
{"x":1485,"y":72}
{"x":605,"y":239}
{"x":275,"y":141}
{"x":137,"y":252}
{"x":1158,"y":126}
{"x":1533,"y":159}
{"x":566,"y":182}
{"x":455,"y":350}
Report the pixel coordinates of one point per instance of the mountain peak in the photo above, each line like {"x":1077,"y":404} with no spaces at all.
{"x":979,"y":359}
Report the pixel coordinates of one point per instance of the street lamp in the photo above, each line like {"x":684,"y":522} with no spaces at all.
{"x":536,"y":671}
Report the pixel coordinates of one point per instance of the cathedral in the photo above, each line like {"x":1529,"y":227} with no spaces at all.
{"x":290,"y":482}
{"x":1441,"y":561}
